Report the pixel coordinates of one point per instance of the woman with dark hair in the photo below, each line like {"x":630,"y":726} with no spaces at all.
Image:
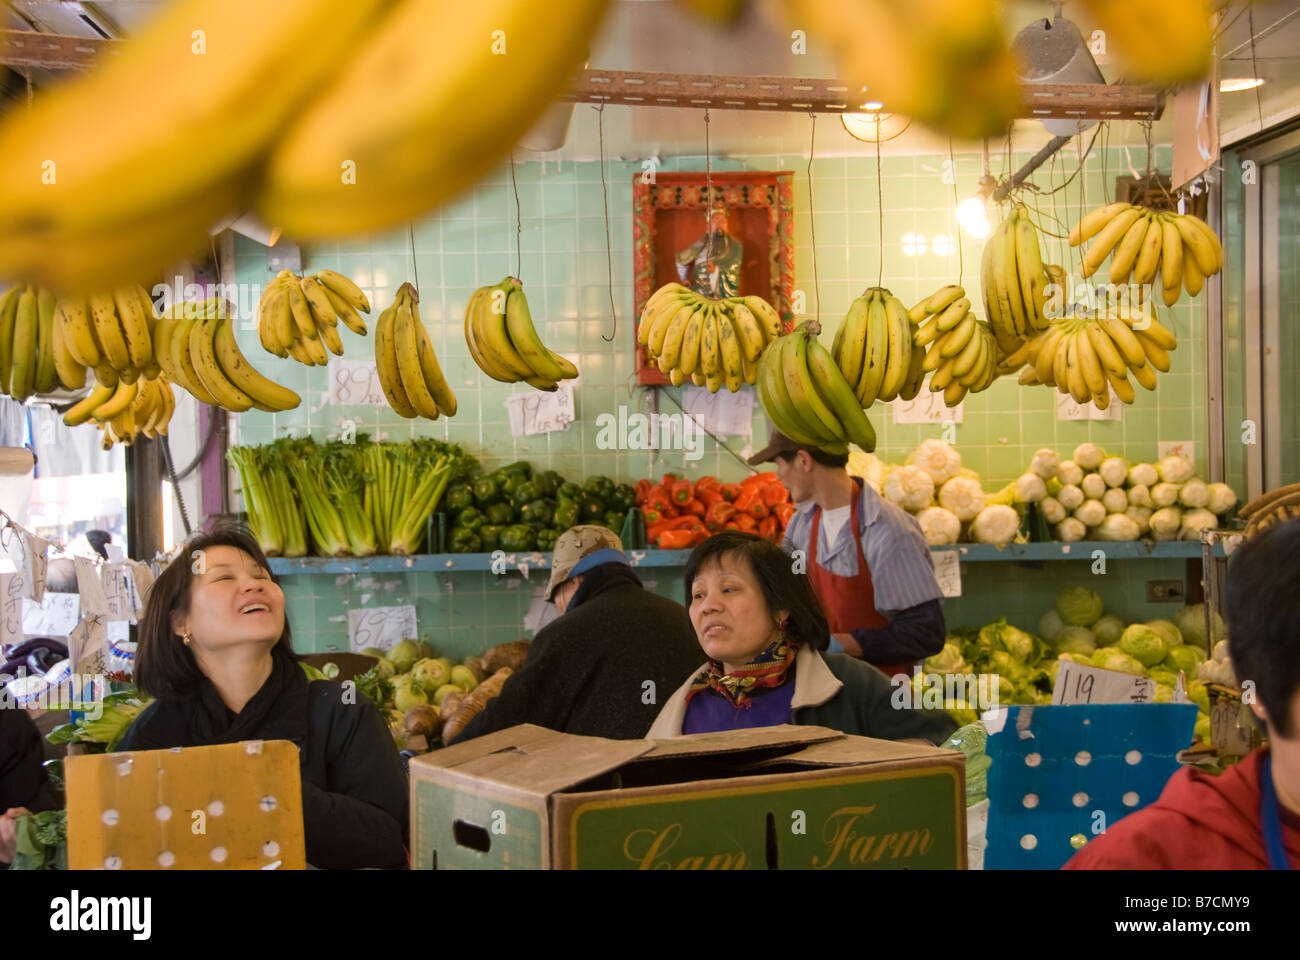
{"x":763,"y":631}
{"x":215,"y":650}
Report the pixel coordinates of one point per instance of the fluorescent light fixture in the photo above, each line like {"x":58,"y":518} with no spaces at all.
{"x":1237,"y":84}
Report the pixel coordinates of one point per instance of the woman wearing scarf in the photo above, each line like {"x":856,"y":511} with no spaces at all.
{"x":762,"y":629}
{"x":215,"y":650}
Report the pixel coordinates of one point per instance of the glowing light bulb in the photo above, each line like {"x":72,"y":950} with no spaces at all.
{"x":974,"y":218}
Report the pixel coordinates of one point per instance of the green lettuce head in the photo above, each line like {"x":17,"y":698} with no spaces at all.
{"x":1173,"y":637}
{"x":947,"y":660}
{"x":1144,"y":644}
{"x":1162,"y":676}
{"x":1108,"y":630}
{"x":1164,"y":693}
{"x":1049,"y":625}
{"x":1199,"y":695}
{"x":1003,"y":664}
{"x":1078,"y":606}
{"x":1024,"y":648}
{"x":1185,"y":658}
{"x":1191,"y":623}
{"x":1075,"y":640}
{"x":1109,"y":658}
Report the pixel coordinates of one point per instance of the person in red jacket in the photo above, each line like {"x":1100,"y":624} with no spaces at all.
{"x":1247,"y":817}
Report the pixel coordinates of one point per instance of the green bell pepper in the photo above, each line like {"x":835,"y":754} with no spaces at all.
{"x":566,"y":513}
{"x":458,"y":497}
{"x":518,"y":537}
{"x":471,"y":518}
{"x":624,"y":498}
{"x":599,"y":487}
{"x":499,"y":513}
{"x":546,"y":539}
{"x":548,"y":483}
{"x":464,"y":540}
{"x":490,"y":535}
{"x":592,"y":508}
{"x":510,"y":483}
{"x":614,"y":520}
{"x":538,"y":513}
{"x":569,"y":491}
{"x":525,"y":493}
{"x":486,"y":491}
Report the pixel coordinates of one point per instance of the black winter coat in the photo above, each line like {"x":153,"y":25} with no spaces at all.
{"x":604,"y":668}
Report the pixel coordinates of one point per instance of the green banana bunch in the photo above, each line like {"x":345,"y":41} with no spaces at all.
{"x":806,"y":397}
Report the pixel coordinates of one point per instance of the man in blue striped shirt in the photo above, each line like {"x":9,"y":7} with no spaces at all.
{"x":867,"y":560}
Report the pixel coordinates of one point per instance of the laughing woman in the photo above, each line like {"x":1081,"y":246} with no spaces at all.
{"x":214,"y":649}
{"x":762,"y":629}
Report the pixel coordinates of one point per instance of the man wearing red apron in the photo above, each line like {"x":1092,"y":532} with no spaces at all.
{"x":866,"y":559}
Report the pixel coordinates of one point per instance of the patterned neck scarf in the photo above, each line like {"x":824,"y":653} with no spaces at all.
{"x":769,"y":669}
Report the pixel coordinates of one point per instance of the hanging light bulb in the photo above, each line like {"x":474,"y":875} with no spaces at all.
{"x":973,"y":217}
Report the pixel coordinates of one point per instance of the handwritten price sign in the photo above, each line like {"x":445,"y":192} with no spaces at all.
{"x":13,"y":587}
{"x":56,"y":615}
{"x":1068,"y":409}
{"x":926,"y":407}
{"x":1077,"y":684}
{"x":540,"y":412}
{"x":355,"y":383}
{"x":947,"y":571}
{"x":380,"y":627}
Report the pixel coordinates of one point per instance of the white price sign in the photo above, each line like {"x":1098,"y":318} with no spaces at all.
{"x":1068,"y":409}
{"x":120,"y":592}
{"x":355,"y":383}
{"x":13,"y":590}
{"x":926,"y":407}
{"x":1076,"y":684}
{"x":540,"y":412}
{"x":91,"y":588}
{"x":381,"y":627}
{"x":724,"y":414}
{"x":56,"y":615}
{"x":947,"y":571}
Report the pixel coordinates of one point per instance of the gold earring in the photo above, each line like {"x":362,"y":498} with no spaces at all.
{"x":186,"y":639}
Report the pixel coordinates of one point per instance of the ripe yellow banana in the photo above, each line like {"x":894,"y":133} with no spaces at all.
{"x":1104,"y":348}
{"x":688,"y":360}
{"x":108,"y":332}
{"x":390,"y":379}
{"x":301,"y":312}
{"x":767,"y":316}
{"x":941,"y":299}
{"x":749,"y":330}
{"x":1193,"y":278}
{"x":1010,"y":279}
{"x":493,"y":336}
{"x":873,"y":368}
{"x":733,"y":370}
{"x":1125,"y":340}
{"x":957,"y":339}
{"x":69,"y":373}
{"x":524,"y":338}
{"x":204,"y":359}
{"x":1093,"y":222}
{"x":345,"y":311}
{"x":122,"y":396}
{"x":437,"y":383}
{"x":333,"y":342}
{"x":345,"y":288}
{"x":398,"y":115}
{"x":1148,"y":261}
{"x":1202,"y":244}
{"x":1123,"y":389}
{"x":1126,"y":254}
{"x":46,"y":377}
{"x":1157,"y":355}
{"x":1089,"y":363}
{"x":1032,"y":274}
{"x":321,"y":309}
{"x":80,"y":412}
{"x":674,"y":337}
{"x":186,"y":375}
{"x":75,"y":318}
{"x":852,"y":353}
{"x":266,"y":394}
{"x":135,"y":328}
{"x":478,"y":301}
{"x":1110,"y":235}
{"x":408,"y":359}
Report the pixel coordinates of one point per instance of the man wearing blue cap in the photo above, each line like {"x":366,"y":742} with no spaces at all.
{"x":605,"y":666}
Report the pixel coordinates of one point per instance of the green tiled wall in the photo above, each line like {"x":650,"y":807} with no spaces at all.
{"x":564,"y":269}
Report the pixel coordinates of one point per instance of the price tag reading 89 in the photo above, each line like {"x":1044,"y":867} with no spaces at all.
{"x":355,"y":383}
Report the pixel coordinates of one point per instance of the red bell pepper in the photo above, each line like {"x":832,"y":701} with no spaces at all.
{"x":675,"y":539}
{"x":707,"y":483}
{"x":682,"y":492}
{"x":689,"y":522}
{"x":668,"y":480}
{"x":750,"y":502}
{"x":730,"y":491}
{"x":708,"y":497}
{"x":653,"y":530}
{"x":695,"y":508}
{"x":745,"y":522}
{"x":774,"y":494}
{"x":767,"y":528}
{"x":643,"y":488}
{"x":783,"y":512}
{"x":699,"y":537}
{"x":718,"y":515}
{"x":731,"y":526}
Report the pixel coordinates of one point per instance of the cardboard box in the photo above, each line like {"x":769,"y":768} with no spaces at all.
{"x":790,"y":797}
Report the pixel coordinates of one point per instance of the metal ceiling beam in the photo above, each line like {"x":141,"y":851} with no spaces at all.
{"x":26,"y":48}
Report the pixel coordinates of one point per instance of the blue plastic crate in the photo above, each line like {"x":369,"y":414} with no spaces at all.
{"x":1062,"y":771}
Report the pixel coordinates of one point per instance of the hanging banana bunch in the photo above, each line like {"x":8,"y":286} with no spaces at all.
{"x":408,"y":367}
{"x":127,"y":410}
{"x":198,"y":352}
{"x":111,"y":333}
{"x":1015,"y":280}
{"x":1087,"y":356}
{"x":712,"y":343}
{"x":1179,"y":249}
{"x":33,"y":355}
{"x":873,"y":349}
{"x":298,"y":317}
{"x":504,"y":342}
{"x":959,"y":350}
{"x":807,"y":397}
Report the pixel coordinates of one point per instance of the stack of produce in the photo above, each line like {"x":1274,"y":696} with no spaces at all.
{"x":504,"y":343}
{"x":1180,"y":249}
{"x":299,"y":316}
{"x":196,"y":349}
{"x":1100,"y":497}
{"x":355,"y":499}
{"x":710,"y":342}
{"x":422,"y":695}
{"x":1274,"y":506}
{"x":101,"y":734}
{"x":408,"y":367}
{"x":961,"y":351}
{"x":1015,"y":279}
{"x":680,"y":514}
{"x":806,"y":395}
{"x":518,"y":508}
{"x":1077,"y":629}
{"x":873,"y":349}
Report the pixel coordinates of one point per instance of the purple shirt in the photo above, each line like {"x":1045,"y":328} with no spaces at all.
{"x":709,"y":711}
